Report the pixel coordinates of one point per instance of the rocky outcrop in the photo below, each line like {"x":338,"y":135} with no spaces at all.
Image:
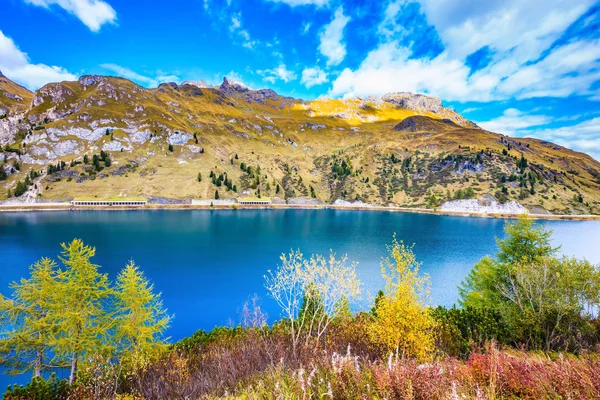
{"x":304,"y":201}
{"x":346,"y":203}
{"x":230,"y":87}
{"x":81,"y":133}
{"x":478,"y":207}
{"x":117,"y":145}
{"x":415,"y":102}
{"x":9,"y":126}
{"x":166,"y":200}
{"x":179,"y":138}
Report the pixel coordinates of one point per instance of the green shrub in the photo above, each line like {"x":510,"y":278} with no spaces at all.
{"x":39,"y":389}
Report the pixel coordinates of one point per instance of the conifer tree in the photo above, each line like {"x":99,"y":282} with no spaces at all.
{"x":82,"y":321}
{"x":141,"y":319}
{"x":26,"y":319}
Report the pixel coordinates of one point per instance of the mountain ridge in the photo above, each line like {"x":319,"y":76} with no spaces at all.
{"x":401,"y":148}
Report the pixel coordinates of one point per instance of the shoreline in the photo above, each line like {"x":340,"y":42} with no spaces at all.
{"x":175,"y":207}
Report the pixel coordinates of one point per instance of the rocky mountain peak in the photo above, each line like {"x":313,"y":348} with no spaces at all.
{"x":90,"y":80}
{"x":413,"y":101}
{"x":229,"y":85}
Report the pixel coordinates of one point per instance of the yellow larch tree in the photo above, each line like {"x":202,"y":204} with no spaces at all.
{"x":140,"y":319}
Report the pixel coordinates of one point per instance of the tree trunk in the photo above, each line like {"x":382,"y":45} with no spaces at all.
{"x":73,"y":369}
{"x":38,"y":363}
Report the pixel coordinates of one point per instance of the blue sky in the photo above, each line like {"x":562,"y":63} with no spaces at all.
{"x":523,"y":68}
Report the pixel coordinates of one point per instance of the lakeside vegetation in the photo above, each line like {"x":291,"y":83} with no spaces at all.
{"x":526,"y":326}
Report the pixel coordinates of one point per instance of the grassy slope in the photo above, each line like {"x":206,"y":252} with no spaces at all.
{"x":295,"y":156}
{"x":13,"y":105}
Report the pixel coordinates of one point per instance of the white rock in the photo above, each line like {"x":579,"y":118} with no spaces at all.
{"x":81,"y":133}
{"x":116,"y":145}
{"x":141,"y":136}
{"x":179,"y":138}
{"x":474,"y":206}
{"x":346,"y":203}
{"x":194,"y":149}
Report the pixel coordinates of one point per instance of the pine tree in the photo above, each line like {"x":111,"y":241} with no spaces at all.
{"x":171,"y":148}
{"x":216,"y":195}
{"x":199,"y":176}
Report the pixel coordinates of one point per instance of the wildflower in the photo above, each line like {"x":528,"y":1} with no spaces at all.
{"x":329,"y":391}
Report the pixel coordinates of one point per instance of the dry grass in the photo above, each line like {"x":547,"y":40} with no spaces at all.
{"x":251,"y":364}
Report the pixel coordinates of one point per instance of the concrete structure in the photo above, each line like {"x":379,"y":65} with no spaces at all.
{"x":102,"y":203}
{"x":254,"y":201}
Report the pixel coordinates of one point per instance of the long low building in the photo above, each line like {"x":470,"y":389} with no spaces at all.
{"x":254,"y":200}
{"x":101,"y":203}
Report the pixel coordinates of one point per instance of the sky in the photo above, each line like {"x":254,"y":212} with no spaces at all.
{"x":518,"y":67}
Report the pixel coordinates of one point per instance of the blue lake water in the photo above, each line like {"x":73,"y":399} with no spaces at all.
{"x":207,"y":263}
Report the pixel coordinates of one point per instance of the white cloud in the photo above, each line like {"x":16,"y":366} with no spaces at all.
{"x":15,"y":65}
{"x":278,"y":73}
{"x":139,"y":78}
{"x":389,"y":68}
{"x":525,"y":28}
{"x":331,"y":37}
{"x":313,"y":76}
{"x":583,"y":136}
{"x":519,"y":33}
{"x":93,"y":13}
{"x":295,"y":3}
{"x":388,"y":26}
{"x":236,"y":28}
{"x":234,"y":77}
{"x":513,"y":120}
{"x":168,"y":78}
{"x":569,"y":69}
{"x":305,"y":28}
